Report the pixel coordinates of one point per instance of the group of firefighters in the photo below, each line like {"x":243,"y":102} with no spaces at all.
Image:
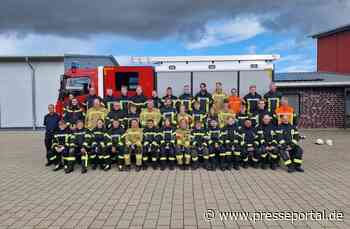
{"x":206,"y":130}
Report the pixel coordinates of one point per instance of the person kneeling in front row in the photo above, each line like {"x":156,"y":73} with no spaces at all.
{"x":291,"y":152}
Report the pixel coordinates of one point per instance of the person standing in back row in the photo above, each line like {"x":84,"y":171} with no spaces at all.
{"x":219,"y":96}
{"x":51,"y":125}
{"x":185,"y":99}
{"x":89,"y":100}
{"x":109,"y":99}
{"x":251,"y":100}
{"x":234,"y":101}
{"x":273,"y":98}
{"x":204,"y":98}
{"x":139,"y":100}
{"x":94,"y":114}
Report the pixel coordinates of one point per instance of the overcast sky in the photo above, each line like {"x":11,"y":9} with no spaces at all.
{"x":178,"y":27}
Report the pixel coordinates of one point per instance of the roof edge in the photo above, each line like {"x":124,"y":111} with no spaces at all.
{"x":329,"y":32}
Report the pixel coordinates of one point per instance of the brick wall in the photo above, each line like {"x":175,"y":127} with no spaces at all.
{"x":320,"y":107}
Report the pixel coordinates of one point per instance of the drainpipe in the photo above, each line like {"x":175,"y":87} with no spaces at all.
{"x":33,"y":92}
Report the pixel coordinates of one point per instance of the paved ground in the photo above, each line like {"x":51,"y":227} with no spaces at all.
{"x":32,"y":196}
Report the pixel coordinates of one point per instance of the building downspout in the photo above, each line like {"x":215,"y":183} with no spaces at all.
{"x":33,"y":92}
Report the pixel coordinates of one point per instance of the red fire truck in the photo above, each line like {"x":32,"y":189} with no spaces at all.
{"x":160,"y":72}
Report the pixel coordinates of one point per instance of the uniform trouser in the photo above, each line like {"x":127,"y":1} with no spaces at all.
{"x":253,"y":155}
{"x":57,"y":156}
{"x":232,"y":153}
{"x":216,"y":154}
{"x":150,"y":152}
{"x":200,"y":154}
{"x":48,"y":143}
{"x":183,"y":155}
{"x":294,"y":155}
{"x":69,"y":157}
{"x":269,"y":156}
{"x":167,"y":152}
{"x":99,"y":154}
{"x":117,"y":152}
{"x":131,"y":151}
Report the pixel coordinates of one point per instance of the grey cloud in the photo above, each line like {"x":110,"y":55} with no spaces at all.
{"x":155,"y":19}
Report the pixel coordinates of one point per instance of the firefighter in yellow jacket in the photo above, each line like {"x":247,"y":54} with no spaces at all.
{"x":150,"y":113}
{"x":94,"y":114}
{"x":183,"y":145}
{"x":133,"y":142}
{"x":219,"y":96}
{"x":225,"y":114}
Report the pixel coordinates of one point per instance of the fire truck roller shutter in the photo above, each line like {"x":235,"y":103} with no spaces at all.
{"x":260,"y":78}
{"x":227,"y":78}
{"x":176,"y":80}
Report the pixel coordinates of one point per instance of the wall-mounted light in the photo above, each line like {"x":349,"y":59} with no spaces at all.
{"x":172,"y":67}
{"x":253,"y":66}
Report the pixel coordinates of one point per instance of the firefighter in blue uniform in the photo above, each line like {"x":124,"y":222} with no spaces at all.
{"x":169,"y":95}
{"x":168,"y":111}
{"x":273,"y":98}
{"x":81,"y":146}
{"x":51,"y":121}
{"x":216,"y":153}
{"x":117,"y":113}
{"x":151,"y":142}
{"x":251,"y":100}
{"x":199,"y":143}
{"x":186,"y":99}
{"x":73,"y":113}
{"x":124,"y":99}
{"x":204,"y":98}
{"x":139,"y":100}
{"x":268,"y":143}
{"x":116,"y":143}
{"x":99,"y":154}
{"x":109,"y":99}
{"x":231,"y":144}
{"x":199,"y":114}
{"x":167,"y":147}
{"x":288,"y":139}
{"x":249,"y":144}
{"x":60,"y":144}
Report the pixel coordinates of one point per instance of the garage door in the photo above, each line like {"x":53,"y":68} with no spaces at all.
{"x":176,"y":80}
{"x":228,"y":79}
{"x":261,"y":79}
{"x":47,"y":79}
{"x":15,"y":95}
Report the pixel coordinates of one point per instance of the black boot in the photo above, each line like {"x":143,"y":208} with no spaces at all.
{"x":236,"y":166}
{"x":298,"y":168}
{"x":144,"y":165}
{"x":138,"y":168}
{"x":255,"y":165}
{"x":172,"y":165}
{"x":162,"y":165}
{"x":107,"y":167}
{"x":194,"y":165}
{"x":245,"y":165}
{"x":264,"y":165}
{"x":94,"y":164}
{"x":273,"y":166}
{"x":83,"y":169}
{"x":58,"y":166}
{"x":154,"y":165}
{"x":291,"y":169}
